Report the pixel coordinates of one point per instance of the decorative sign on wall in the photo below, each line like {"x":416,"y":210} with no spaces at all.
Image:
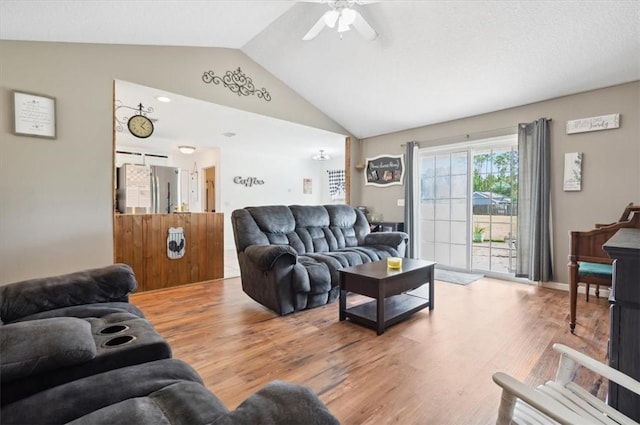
{"x":337,"y":184}
{"x":34,"y":115}
{"x":137,"y":186}
{"x":248,"y":181}
{"x":604,"y":122}
{"x":307,"y":186}
{"x":384,"y":170}
{"x":573,"y":172}
{"x":175,"y":243}
{"x":237,"y":82}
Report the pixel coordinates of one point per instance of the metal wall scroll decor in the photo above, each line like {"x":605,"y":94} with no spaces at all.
{"x":237,"y":82}
{"x":122,"y":114}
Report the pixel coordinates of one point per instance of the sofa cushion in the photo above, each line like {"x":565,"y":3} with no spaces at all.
{"x":132,"y":341}
{"x":312,"y":228}
{"x":34,"y":347}
{"x":373,"y":253}
{"x":66,"y":402}
{"x":595,"y":269}
{"x":312,"y":276}
{"x":348,"y":224}
{"x":188,"y":403}
{"x":85,"y":310}
{"x":276,"y":222}
{"x":181,"y":403}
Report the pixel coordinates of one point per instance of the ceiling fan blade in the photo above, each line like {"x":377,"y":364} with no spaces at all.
{"x":315,"y":29}
{"x":363,"y":27}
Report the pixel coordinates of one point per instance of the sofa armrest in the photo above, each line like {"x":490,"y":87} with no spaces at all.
{"x":265,"y":256}
{"x":394,"y":239}
{"x":282,"y":403}
{"x":112,"y":283}
{"x":38,"y":346}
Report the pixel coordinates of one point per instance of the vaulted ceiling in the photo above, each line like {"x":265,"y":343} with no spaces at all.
{"x":433,"y":61}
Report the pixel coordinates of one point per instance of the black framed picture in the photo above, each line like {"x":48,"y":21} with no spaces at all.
{"x":384,"y":170}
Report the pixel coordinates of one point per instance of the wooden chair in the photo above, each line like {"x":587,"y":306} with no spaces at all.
{"x":589,"y":263}
{"x":562,"y":400}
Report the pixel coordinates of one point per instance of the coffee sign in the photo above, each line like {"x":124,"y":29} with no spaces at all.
{"x":384,"y":170}
{"x":248,"y":181}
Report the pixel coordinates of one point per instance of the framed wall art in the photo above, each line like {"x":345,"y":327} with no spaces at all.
{"x":34,"y":115}
{"x":384,"y":170}
{"x":572,"y":172}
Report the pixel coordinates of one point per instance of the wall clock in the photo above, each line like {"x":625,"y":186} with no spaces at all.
{"x":140,"y":126}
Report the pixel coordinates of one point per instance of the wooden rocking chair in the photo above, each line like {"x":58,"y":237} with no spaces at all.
{"x":562,"y":400}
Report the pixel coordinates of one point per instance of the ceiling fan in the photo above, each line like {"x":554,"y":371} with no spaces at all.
{"x":345,"y":16}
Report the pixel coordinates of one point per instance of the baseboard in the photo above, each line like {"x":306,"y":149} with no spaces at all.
{"x":582,"y":289}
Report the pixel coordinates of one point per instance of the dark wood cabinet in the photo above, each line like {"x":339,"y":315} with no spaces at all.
{"x":624,"y":339}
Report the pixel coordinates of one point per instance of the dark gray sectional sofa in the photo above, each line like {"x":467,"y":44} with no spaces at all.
{"x":289,"y":256}
{"x":73,"y":350}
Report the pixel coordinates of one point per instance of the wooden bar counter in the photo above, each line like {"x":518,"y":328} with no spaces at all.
{"x":140,"y":240}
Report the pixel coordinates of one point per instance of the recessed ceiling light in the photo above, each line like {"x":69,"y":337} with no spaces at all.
{"x":163,"y":99}
{"x":187,"y":150}
{"x":229,"y":134}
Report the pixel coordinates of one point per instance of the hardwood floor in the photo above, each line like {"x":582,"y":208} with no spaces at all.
{"x":434,"y":368}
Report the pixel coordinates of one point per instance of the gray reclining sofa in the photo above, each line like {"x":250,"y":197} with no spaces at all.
{"x":289,"y":256}
{"x":73,"y":350}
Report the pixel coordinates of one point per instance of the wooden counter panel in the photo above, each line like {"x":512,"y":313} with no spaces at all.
{"x":140,"y":240}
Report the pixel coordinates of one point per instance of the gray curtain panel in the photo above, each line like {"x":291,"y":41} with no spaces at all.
{"x":410,"y":200}
{"x":534,"y":202}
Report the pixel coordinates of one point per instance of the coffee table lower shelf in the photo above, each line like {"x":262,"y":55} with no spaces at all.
{"x":396,"y":309}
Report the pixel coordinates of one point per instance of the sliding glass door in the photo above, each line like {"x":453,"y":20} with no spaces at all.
{"x":444,"y":210}
{"x":495,"y":180}
{"x":467,"y":214}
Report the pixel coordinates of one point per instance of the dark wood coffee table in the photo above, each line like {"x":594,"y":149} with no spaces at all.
{"x":393,"y":302}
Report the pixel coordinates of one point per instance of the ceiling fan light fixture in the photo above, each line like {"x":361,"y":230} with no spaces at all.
{"x":348,"y":15}
{"x":331,"y":17}
{"x":187,"y":150}
{"x":321,"y":156}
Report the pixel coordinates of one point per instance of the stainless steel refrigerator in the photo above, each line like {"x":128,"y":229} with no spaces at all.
{"x":145,"y":189}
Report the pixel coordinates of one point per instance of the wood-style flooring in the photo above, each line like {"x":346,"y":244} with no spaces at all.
{"x":435,"y":368}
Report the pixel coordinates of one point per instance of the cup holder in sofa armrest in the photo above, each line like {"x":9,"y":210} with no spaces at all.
{"x":113,"y":329}
{"x":118,"y":341}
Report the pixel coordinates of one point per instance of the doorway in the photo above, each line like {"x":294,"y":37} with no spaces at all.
{"x":210,"y":189}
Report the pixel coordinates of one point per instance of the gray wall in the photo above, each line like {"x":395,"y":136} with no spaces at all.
{"x":611,"y":164}
{"x":56,"y":207}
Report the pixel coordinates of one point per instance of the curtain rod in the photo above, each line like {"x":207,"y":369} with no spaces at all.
{"x":468,"y":136}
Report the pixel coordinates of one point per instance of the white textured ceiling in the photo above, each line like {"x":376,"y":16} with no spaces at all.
{"x":433,"y":61}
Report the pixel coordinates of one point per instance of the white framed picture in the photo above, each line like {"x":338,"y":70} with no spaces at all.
{"x":34,"y":115}
{"x":573,"y":172}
